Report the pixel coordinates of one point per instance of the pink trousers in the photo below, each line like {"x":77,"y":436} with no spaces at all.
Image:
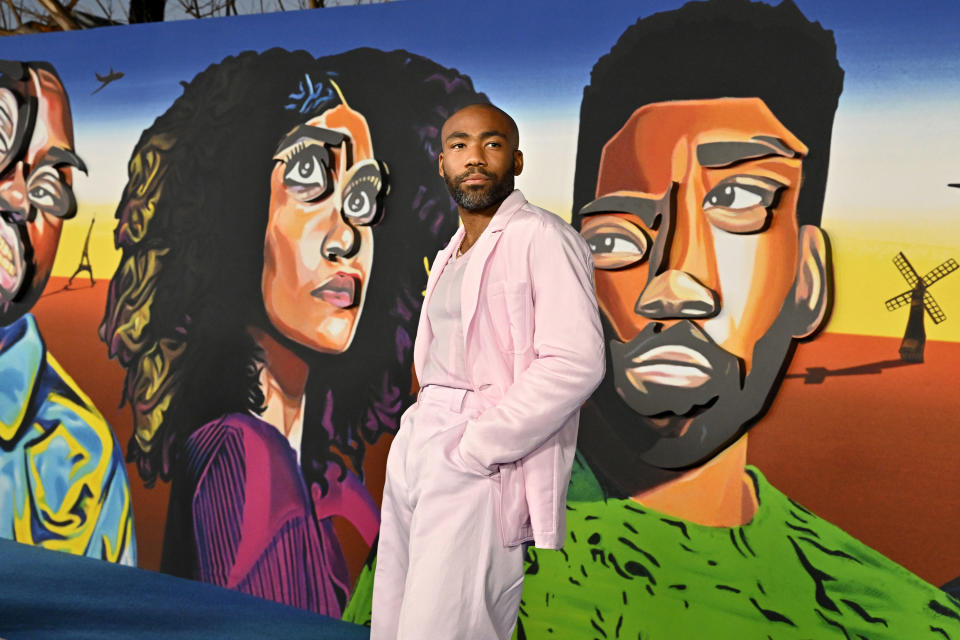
{"x":442,"y":571}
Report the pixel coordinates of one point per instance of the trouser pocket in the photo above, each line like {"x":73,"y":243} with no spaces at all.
{"x":513,"y":513}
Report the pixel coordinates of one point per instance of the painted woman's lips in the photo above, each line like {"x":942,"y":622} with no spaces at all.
{"x":341,"y":290}
{"x":672,"y":365}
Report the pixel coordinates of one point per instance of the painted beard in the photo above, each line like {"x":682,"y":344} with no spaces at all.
{"x":480,"y":198}
{"x":678,"y":398}
{"x":14,"y":249}
{"x":675,"y":371}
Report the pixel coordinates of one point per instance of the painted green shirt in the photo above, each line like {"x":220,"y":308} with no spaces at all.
{"x":630,"y":572}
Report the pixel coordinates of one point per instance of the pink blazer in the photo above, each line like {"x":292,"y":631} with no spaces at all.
{"x":534,"y":350}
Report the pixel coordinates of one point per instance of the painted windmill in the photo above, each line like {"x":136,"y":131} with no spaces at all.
{"x":919,"y":299}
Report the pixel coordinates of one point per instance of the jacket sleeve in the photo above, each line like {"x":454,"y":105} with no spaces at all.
{"x":569,"y":357}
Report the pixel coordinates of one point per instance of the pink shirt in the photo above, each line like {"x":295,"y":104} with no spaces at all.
{"x":446,"y":364}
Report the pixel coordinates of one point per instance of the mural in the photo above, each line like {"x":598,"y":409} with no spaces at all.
{"x":253,"y":260}
{"x":239,"y":286}
{"x":63,"y":485}
{"x":701,"y":201}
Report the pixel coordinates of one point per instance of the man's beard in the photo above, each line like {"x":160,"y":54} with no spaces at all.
{"x":478,"y":199}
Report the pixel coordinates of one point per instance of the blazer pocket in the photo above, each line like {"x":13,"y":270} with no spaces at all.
{"x":499,"y":315}
{"x":510,"y":306}
{"x":520,"y":310}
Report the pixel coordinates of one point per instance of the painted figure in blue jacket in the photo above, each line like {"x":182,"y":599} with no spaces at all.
{"x":63,"y":484}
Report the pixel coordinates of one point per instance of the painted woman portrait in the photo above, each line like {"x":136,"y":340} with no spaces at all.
{"x":274,"y":229}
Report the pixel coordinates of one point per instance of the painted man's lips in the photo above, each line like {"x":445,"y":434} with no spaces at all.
{"x":11,"y":262}
{"x":670,"y":364}
{"x":341,"y":290}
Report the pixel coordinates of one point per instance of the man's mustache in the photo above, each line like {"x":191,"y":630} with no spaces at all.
{"x":466,"y":175}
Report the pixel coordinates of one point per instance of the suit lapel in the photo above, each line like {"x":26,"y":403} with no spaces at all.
{"x":482,"y":250}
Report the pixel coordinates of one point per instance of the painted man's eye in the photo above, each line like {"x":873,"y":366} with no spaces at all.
{"x":742,"y":204}
{"x":307,"y":174}
{"x":47,"y":192}
{"x":39,"y":195}
{"x":614,"y":242}
{"x":732,"y":196}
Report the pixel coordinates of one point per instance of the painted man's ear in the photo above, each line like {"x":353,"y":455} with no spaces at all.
{"x":813,"y":287}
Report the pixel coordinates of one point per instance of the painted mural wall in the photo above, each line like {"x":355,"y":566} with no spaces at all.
{"x":216,"y":235}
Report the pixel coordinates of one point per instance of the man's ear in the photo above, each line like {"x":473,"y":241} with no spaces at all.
{"x":813,"y":287}
{"x":517,"y":162}
{"x":440,"y":165}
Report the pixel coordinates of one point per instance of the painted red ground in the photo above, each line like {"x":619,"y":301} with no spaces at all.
{"x":871,"y":447}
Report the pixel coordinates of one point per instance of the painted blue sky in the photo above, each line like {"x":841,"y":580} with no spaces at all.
{"x":902,"y":81}
{"x":896,"y":133}
{"x":527,"y":51}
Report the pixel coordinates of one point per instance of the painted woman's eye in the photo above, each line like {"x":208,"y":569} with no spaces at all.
{"x":741,"y":204}
{"x":364,"y":192}
{"x":307,"y":173}
{"x":614,"y":242}
{"x":357,"y":204}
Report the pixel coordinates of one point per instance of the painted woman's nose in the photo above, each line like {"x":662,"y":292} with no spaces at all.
{"x":342,"y":241}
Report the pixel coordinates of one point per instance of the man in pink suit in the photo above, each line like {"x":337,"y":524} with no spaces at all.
{"x":509,"y":346}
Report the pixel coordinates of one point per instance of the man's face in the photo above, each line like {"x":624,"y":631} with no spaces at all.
{"x":696,"y":247}
{"x":326,"y":191}
{"x":479,"y":158}
{"x":35,"y":186}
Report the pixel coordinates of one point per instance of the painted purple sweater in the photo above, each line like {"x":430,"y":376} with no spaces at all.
{"x":254,"y":528}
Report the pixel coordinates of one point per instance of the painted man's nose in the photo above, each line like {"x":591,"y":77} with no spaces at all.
{"x":677,"y":294}
{"x":13,"y":195}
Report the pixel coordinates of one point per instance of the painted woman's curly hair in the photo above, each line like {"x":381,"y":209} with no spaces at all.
{"x":191,"y":225}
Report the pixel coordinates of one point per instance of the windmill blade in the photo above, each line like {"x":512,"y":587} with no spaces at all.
{"x":899,"y":301}
{"x":942,"y":270}
{"x":906,"y":269}
{"x":936,"y":313}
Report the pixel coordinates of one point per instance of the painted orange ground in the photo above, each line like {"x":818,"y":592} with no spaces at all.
{"x":873,"y":447}
{"x":855,"y":436}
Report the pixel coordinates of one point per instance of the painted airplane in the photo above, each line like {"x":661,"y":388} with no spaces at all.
{"x":107,"y":79}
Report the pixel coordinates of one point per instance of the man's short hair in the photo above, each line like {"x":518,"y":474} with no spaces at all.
{"x":718,"y":49}
{"x":485,"y":105}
